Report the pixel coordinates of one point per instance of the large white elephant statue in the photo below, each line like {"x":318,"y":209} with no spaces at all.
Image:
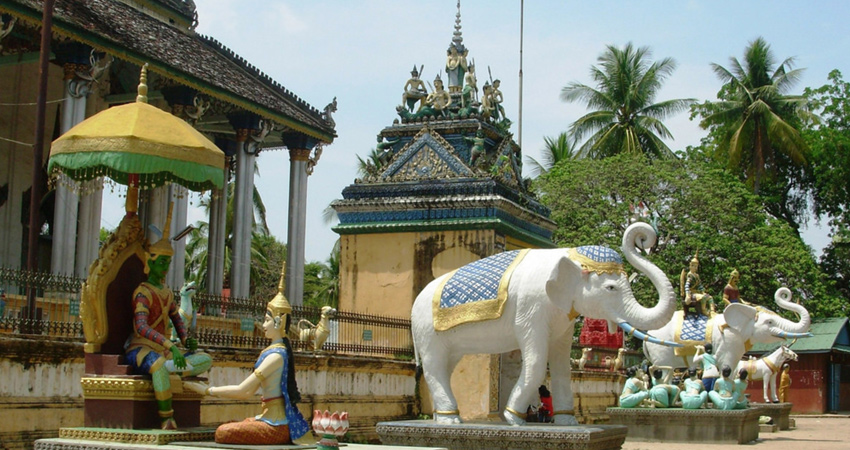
{"x":731,"y":332}
{"x":543,"y":293}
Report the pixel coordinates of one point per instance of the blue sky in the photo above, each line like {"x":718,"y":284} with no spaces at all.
{"x":362,"y":53}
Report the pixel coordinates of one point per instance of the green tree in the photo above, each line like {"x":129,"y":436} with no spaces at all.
{"x":197,"y":244}
{"x":623,"y":117}
{"x":829,"y":174}
{"x":756,"y":121}
{"x":555,"y":150}
{"x":695,"y":205}
{"x":321,"y":281}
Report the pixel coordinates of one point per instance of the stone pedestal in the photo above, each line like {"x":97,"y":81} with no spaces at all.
{"x":779,"y":412}
{"x":128,"y":402}
{"x":683,"y":425}
{"x":496,"y":435}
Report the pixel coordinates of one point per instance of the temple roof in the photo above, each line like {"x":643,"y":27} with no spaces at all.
{"x":197,"y":61}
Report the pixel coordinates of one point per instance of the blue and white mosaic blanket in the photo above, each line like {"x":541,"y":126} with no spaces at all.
{"x":476,"y":291}
{"x":691,"y":330}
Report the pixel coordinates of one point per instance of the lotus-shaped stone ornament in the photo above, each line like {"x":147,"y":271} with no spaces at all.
{"x":330,"y":426}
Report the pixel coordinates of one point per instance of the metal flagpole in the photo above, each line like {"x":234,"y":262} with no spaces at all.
{"x":521,"y":21}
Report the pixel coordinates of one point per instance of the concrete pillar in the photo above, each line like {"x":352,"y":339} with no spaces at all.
{"x":179,"y":195}
{"x":240,"y":263}
{"x":88,"y":232}
{"x":66,"y":199}
{"x":299,"y":146}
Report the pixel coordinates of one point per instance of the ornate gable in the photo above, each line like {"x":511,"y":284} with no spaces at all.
{"x":426,"y":157}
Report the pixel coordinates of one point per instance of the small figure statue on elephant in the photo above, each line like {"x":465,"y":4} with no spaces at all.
{"x":729,"y":333}
{"x":531,"y":305}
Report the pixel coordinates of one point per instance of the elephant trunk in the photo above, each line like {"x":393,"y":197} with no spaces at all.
{"x":630,"y":330}
{"x":787,"y":328}
{"x":642,"y":234}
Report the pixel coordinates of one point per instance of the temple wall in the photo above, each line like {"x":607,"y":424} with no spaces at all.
{"x":382,"y":273}
{"x":40,"y":389}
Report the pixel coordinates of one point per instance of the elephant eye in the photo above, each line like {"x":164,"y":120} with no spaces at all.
{"x":610,"y":287}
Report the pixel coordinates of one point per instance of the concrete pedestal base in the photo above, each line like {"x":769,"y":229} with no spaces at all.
{"x":74,"y":444}
{"x":683,"y":425}
{"x":487,"y":436}
{"x":779,"y":412}
{"x":768,"y":428}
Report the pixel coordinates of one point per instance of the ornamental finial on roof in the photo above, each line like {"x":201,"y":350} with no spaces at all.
{"x":457,"y":36}
{"x":142,"y":90}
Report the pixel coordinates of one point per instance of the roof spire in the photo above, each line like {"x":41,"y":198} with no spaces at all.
{"x":457,"y":36}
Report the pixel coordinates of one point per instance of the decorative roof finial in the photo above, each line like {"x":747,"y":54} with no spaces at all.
{"x":143,"y":85}
{"x":457,"y":36}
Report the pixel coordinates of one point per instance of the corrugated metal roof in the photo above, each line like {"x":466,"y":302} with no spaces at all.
{"x":827,"y":333}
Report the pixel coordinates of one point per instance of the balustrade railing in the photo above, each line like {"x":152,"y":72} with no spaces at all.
{"x":223,"y":322}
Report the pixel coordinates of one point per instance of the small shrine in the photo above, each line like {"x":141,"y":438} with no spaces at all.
{"x":445,"y":189}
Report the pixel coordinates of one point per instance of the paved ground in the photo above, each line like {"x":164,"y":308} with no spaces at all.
{"x":812,"y":433}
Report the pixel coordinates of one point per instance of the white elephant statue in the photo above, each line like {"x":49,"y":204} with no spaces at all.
{"x":535,"y":311}
{"x":730,"y":332}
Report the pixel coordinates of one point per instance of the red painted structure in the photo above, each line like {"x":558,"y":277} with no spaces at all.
{"x":594,"y":333}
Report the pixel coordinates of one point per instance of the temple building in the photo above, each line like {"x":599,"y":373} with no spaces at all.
{"x":97,"y":48}
{"x":445,"y":189}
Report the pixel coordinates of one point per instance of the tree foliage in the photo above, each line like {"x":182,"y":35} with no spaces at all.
{"x":624,"y":117}
{"x":754,"y":128}
{"x":695,"y":205}
{"x":829,"y":177}
{"x":555,"y":150}
{"x":321,"y":281}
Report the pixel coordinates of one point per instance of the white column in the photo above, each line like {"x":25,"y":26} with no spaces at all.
{"x":88,"y":232}
{"x":177,"y":272}
{"x":296,"y":229}
{"x":213,"y":232}
{"x":240,"y":264}
{"x":66,"y":200}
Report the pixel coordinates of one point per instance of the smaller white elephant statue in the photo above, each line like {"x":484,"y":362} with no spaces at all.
{"x":529,"y":300}
{"x":767,"y":368}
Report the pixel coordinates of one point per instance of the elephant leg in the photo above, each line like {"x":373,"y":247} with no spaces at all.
{"x":534,"y":353}
{"x":438,"y":375}
{"x":561,"y":375}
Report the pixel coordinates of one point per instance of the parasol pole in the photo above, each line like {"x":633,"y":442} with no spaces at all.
{"x":37,"y":154}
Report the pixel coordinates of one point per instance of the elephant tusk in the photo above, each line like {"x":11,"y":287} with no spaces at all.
{"x":632,"y":331}
{"x":790,"y":335}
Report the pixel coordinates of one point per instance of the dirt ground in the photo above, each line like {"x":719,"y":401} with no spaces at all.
{"x":812,"y":433}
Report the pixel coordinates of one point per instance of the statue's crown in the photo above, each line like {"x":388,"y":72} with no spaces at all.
{"x":163,"y":245}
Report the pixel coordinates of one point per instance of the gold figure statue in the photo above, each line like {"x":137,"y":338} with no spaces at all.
{"x":784,"y":383}
{"x":730,"y":292}
{"x":414,"y":90}
{"x":440,"y":100}
{"x":694,"y":298}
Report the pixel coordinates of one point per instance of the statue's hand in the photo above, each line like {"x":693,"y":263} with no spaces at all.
{"x":194,"y":386}
{"x":177,"y":357}
{"x":191,"y":344}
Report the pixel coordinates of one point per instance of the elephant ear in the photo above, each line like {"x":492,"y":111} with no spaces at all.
{"x":738,"y":316}
{"x":564,"y":274}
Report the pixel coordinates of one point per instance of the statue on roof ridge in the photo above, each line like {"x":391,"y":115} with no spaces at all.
{"x":414,"y":90}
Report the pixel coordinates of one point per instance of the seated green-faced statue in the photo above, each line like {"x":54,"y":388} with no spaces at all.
{"x":149,"y":351}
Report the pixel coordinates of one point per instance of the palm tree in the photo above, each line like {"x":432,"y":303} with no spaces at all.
{"x":323,"y":280}
{"x":624,"y":117}
{"x":555,"y":150}
{"x":756,"y":116}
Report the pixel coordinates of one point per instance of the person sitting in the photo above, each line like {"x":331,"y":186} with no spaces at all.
{"x":724,"y":396}
{"x":694,"y":395}
{"x":545,"y":411}
{"x":280,"y":422}
{"x":741,"y":384}
{"x":662,"y":392}
{"x":634,"y":391}
{"x":694,"y":295}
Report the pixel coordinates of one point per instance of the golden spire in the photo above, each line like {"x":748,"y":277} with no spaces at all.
{"x":163,"y":246}
{"x":142,"y":96}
